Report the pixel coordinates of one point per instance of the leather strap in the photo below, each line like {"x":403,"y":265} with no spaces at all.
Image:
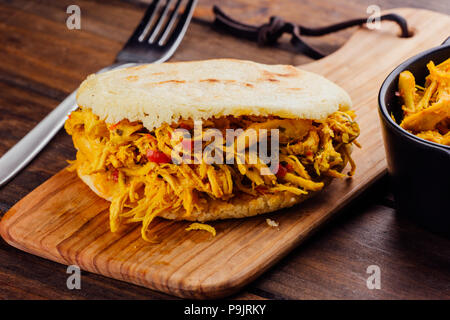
{"x":269,"y":33}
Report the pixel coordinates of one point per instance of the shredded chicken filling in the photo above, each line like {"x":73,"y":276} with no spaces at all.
{"x":427,"y":109}
{"x":137,"y":163}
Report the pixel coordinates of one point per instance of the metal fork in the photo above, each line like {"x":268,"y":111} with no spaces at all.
{"x":154,"y":41}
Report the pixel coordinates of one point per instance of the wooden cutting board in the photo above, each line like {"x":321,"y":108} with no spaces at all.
{"x":62,"y":220}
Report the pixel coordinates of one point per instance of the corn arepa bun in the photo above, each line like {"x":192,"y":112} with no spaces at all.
{"x":163,"y":93}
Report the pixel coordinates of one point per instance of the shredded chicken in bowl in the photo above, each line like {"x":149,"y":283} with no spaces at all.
{"x":426,"y":109}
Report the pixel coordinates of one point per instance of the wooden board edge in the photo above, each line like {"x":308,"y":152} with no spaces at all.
{"x":213,"y":290}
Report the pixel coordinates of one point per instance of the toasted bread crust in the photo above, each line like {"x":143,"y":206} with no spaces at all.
{"x":164,"y":93}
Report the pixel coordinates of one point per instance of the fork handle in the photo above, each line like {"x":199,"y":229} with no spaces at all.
{"x":26,"y":149}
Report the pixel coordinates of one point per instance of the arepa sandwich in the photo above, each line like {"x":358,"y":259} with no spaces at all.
{"x":141,"y":135}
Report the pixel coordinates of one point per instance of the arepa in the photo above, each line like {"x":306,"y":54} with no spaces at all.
{"x":126,"y":122}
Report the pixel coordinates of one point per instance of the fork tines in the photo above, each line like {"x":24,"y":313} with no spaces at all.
{"x":162,"y":28}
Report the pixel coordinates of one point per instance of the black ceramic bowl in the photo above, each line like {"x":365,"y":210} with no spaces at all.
{"x":419,"y":169}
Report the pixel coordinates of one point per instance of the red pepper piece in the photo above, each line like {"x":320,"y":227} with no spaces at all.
{"x":289,"y":167}
{"x":281,"y":172}
{"x":115,"y":175}
{"x":157,"y":156}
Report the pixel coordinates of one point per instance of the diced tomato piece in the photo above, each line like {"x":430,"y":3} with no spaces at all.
{"x":289,"y":167}
{"x":281,"y":172}
{"x":309,"y":153}
{"x":157,"y":156}
{"x":115,"y":175}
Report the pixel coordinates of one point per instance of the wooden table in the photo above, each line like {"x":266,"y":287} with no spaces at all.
{"x":41,"y":62}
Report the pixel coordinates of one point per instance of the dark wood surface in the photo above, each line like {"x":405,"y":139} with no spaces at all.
{"x":41,"y":61}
